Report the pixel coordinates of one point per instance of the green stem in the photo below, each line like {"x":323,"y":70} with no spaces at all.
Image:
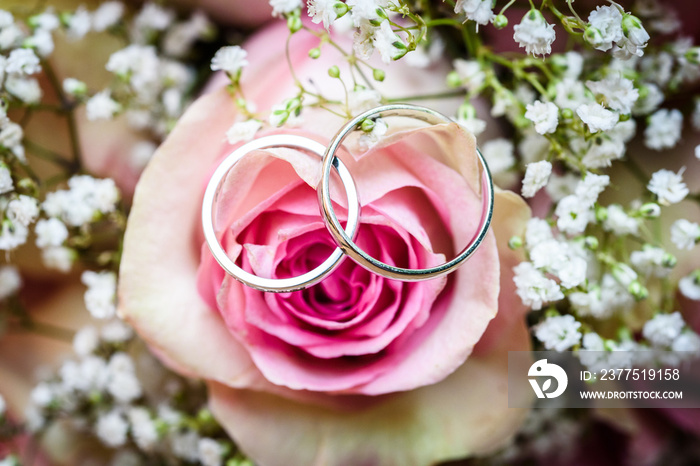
{"x":47,"y":154}
{"x":70,"y":116}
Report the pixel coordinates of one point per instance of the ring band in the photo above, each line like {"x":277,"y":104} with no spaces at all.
{"x":347,"y":244}
{"x":276,"y":285}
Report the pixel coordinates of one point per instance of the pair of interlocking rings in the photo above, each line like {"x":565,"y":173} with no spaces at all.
{"x":343,"y":237}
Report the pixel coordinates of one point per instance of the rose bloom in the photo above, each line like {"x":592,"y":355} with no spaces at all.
{"x":358,"y":369}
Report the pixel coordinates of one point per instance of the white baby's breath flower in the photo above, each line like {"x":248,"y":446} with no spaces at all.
{"x":364,"y":11}
{"x":607,"y":21}
{"x":322,"y":11}
{"x":363,"y":99}
{"x":652,"y":98}
{"x":470,"y":73}
{"x":111,"y":428}
{"x":50,"y":232}
{"x":22,"y":62}
{"x":559,"y":333}
{"x":597,"y":117}
{"x":141,"y":154}
{"x":100,"y":294}
{"x":86,"y":340}
{"x":536,"y":232}
{"x":47,"y":21}
{"x":560,"y":186}
{"x":668,"y":186}
{"x":23,"y":210}
{"x":536,"y":176}
{"x":116,"y":331}
{"x":544,"y":115}
{"x":122,"y":382}
{"x":73,"y":86}
{"x":10,"y":281}
{"x":185,"y":445}
{"x":590,"y":188}
{"x":12,"y":235}
{"x":690,"y":286}
{"x":650,"y":261}
{"x":471,"y":123}
{"x":6,"y":183}
{"x":210,"y":452}
{"x":101,"y":106}
{"x":533,"y":287}
{"x":685,"y":234}
{"x":389,"y":45}
{"x":11,"y":135}
{"x":42,"y":42}
{"x":570,"y":93}
{"x":479,"y":11}
{"x":687,"y":342}
{"x":143,"y":428}
{"x":243,"y":131}
{"x":534,"y":33}
{"x":231,"y":59}
{"x":618,"y":92}
{"x":107,"y":15}
{"x":79,"y":23}
{"x":499,"y":155}
{"x":619,"y":222}
{"x":280,"y":7}
{"x":573,"y":215}
{"x":58,"y":258}
{"x":560,"y":259}
{"x":154,"y":17}
{"x":25,"y":89}
{"x":663,"y":129}
{"x":663,"y":329}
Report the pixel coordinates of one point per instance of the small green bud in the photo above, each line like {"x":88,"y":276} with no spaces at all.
{"x":500,"y":21}
{"x":453,"y":79}
{"x":591,"y":242}
{"x":693,"y":55}
{"x":624,"y":334}
{"x":381,"y":13}
{"x":292,"y":104}
{"x":650,"y":210}
{"x":294,"y":23}
{"x":567,"y":113}
{"x":638,"y":291}
{"x":367,"y":125}
{"x":669,"y":261}
{"x":378,"y":74}
{"x":696,"y":276}
{"x":340,"y":9}
{"x":515,"y":242}
{"x":601,"y":214}
{"x":466,"y":111}
{"x":625,"y":116}
{"x":593,"y":36}
{"x":334,"y":72}
{"x":315,"y":53}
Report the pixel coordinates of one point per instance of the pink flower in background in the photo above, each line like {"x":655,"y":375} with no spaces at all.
{"x":289,"y":374}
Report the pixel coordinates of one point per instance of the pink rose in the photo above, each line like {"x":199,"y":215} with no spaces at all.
{"x":290,"y":374}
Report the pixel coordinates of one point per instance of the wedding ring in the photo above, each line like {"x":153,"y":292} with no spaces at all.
{"x":276,"y":285}
{"x":346,"y":243}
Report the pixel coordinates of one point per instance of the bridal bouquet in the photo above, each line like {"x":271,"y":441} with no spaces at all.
{"x":124,"y":342}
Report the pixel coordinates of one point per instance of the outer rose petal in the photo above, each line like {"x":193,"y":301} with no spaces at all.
{"x":465,"y":414}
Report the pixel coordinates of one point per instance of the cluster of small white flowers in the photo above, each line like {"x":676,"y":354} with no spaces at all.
{"x":544,"y":115}
{"x":689,"y":286}
{"x":10,"y":281}
{"x":663,"y":129}
{"x":101,"y":293}
{"x":231,"y":59}
{"x":668,"y":186}
{"x":685,"y":234}
{"x":559,"y":333}
{"x":536,"y":177}
{"x":534,"y":33}
{"x":609,"y":28}
{"x":533,"y":287}
{"x":85,"y":199}
{"x":243,"y":131}
{"x":479,"y":11}
{"x":20,"y":212}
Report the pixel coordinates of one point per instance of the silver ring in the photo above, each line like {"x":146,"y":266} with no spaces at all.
{"x":276,"y":285}
{"x":346,"y":243}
